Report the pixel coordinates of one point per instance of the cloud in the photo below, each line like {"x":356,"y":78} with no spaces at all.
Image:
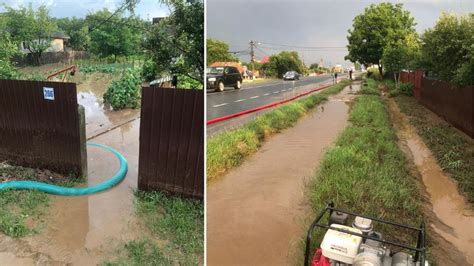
{"x":305,"y":22}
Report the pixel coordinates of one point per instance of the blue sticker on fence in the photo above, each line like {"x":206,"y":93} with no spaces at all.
{"x":48,"y":93}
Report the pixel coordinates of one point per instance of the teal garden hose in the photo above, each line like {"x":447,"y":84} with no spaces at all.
{"x":67,"y":191}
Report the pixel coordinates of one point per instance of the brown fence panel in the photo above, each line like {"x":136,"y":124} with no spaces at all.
{"x":453,"y":103}
{"x":171,"y":156}
{"x":40,"y":132}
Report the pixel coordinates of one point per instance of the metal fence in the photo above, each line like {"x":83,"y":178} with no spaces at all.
{"x":40,"y":126}
{"x":453,"y":103}
{"x":171,"y":156}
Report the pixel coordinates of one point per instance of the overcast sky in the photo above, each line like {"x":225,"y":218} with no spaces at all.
{"x":146,"y":9}
{"x":306,"y":23}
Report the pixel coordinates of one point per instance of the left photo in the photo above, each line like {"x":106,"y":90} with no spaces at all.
{"x":102,"y":132}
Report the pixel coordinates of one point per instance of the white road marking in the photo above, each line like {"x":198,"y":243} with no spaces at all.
{"x":239,"y":100}
{"x":219,"y":105}
{"x":283,"y":90}
{"x":254,"y":97}
{"x":275,"y":92}
{"x":266,"y":94}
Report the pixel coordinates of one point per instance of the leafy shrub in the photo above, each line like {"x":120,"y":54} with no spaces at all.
{"x":125,"y":93}
{"x":149,"y":70}
{"x":185,"y":82}
{"x":404,"y":88}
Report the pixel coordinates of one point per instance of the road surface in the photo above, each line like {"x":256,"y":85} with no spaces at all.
{"x":254,"y":95}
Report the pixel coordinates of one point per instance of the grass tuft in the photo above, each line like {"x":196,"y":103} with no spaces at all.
{"x":23,"y":210}
{"x":142,"y":253}
{"x":366,"y":172}
{"x":18,"y":206}
{"x":229,"y":149}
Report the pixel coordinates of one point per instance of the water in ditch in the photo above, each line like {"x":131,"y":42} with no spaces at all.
{"x":453,"y":218}
{"x":256,"y":213}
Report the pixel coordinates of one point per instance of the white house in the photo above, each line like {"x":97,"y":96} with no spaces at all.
{"x":58,"y":41}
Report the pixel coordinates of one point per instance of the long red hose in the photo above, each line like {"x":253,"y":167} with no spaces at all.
{"x":219,"y":119}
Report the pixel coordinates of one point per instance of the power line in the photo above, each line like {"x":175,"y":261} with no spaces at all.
{"x":110,"y":17}
{"x":309,"y":50}
{"x":304,"y":47}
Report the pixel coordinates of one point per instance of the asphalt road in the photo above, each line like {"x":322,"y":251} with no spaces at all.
{"x":250,"y":96}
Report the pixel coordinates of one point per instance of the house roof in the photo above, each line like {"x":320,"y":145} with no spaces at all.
{"x":234,"y":64}
{"x":59,"y":35}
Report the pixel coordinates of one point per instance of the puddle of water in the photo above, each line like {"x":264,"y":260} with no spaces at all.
{"x":99,"y":118}
{"x":449,"y":206}
{"x":87,"y":230}
{"x":255,"y":214}
{"x":7,"y":258}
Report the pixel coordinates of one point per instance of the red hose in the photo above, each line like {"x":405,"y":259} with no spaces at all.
{"x":219,"y":119}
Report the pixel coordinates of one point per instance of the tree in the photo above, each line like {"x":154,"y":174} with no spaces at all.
{"x":394,"y":58}
{"x":357,"y":66}
{"x":7,"y":50}
{"x":218,"y":50}
{"x":32,"y":28}
{"x":176,"y":43}
{"x":401,"y":55}
{"x":119,"y":36}
{"x":448,"y":48}
{"x":314,"y":66}
{"x":78,"y":31}
{"x":372,"y":30}
{"x":285,"y":61}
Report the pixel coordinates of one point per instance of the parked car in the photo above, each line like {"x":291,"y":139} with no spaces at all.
{"x":291,"y":75}
{"x":220,"y":77}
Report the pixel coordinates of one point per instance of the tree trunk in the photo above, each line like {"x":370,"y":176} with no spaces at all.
{"x":380,"y":70}
{"x":395,"y":79}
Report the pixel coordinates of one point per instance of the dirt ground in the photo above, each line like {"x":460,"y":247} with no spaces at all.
{"x":448,"y":214}
{"x":260,"y":207}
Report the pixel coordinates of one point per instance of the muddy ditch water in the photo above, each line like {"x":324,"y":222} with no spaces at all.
{"x":256,"y":213}
{"x":88,"y":230}
{"x":449,"y":215}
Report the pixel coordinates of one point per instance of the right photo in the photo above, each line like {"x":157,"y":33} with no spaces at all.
{"x":339,"y":132}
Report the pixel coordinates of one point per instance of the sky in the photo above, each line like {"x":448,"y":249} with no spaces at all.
{"x":313,"y":23}
{"x":146,"y":9}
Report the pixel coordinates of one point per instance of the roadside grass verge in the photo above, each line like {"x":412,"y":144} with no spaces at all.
{"x":22,"y":212}
{"x":369,"y":86}
{"x":365,"y":172}
{"x":177,"y":221}
{"x":454,"y":152}
{"x":229,"y":149}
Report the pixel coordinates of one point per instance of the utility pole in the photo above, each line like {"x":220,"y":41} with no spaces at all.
{"x":252,"y":54}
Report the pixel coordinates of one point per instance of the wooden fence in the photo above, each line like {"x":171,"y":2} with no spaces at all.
{"x":40,"y":126}
{"x":171,"y":156}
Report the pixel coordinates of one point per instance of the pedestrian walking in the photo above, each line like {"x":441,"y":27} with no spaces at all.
{"x":350,"y":74}
{"x":335,"y":77}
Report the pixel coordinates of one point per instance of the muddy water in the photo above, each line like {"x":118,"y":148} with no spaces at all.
{"x":255,"y":213}
{"x":455,"y":218}
{"x":99,"y":117}
{"x":86,"y":230}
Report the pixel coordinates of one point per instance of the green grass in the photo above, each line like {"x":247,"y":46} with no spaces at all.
{"x":140,"y":253}
{"x":18,"y":206}
{"x":178,"y":221}
{"x":23,"y":211}
{"x":369,"y":86}
{"x":229,"y":149}
{"x":366,"y":172}
{"x":454,"y":152}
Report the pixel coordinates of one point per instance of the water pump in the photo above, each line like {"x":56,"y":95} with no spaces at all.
{"x":359,"y":244}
